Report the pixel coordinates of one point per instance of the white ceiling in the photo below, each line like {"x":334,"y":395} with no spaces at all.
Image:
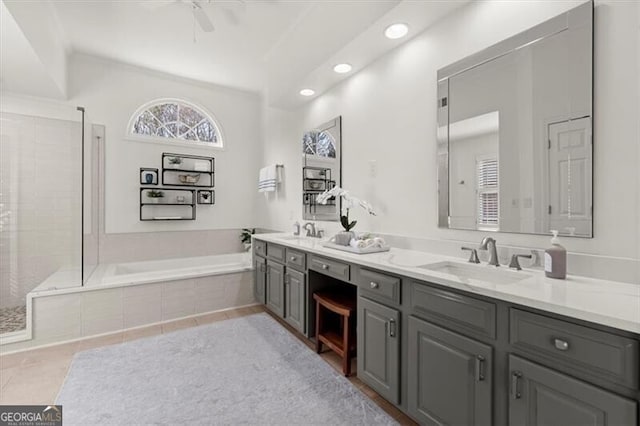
{"x":21,"y":67}
{"x":276,"y":46}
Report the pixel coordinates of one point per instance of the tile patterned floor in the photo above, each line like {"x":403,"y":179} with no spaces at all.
{"x":13,"y":319}
{"x":35,"y":376}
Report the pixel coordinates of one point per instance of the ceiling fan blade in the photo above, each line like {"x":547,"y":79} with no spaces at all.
{"x":202,"y":18}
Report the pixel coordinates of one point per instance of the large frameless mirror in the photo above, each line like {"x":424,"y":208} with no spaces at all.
{"x":514,"y":132}
{"x":321,"y":169}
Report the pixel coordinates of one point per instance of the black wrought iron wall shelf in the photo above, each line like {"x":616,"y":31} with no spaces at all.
{"x":159,"y":204}
{"x":188,"y":170}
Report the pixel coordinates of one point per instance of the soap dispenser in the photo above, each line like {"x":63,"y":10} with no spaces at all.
{"x":296,"y":228}
{"x":555,"y":259}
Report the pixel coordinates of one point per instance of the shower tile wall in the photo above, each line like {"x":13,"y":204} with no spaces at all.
{"x":40,"y":202}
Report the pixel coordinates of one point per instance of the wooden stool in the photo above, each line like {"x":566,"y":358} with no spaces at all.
{"x":342,"y":342}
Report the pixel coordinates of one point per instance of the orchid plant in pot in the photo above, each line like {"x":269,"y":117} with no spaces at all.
{"x":348,"y":202}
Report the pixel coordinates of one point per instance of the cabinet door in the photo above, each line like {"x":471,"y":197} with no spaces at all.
{"x":275,"y":287}
{"x":541,"y":396}
{"x":259,"y":279}
{"x":378,"y":348}
{"x":449,"y":376}
{"x":295,"y":296}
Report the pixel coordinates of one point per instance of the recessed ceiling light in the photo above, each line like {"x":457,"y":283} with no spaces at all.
{"x":394,"y":31}
{"x":307,"y":92}
{"x":342,"y":68}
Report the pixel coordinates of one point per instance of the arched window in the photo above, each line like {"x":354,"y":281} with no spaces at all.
{"x":175,"y":120}
{"x":320,"y":144}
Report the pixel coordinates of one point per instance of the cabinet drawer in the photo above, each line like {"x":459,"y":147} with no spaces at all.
{"x":592,"y":352}
{"x":454,"y":310}
{"x":259,"y":247}
{"x":378,"y":286}
{"x":296,"y":259}
{"x":329,"y":267}
{"x":275,"y":252}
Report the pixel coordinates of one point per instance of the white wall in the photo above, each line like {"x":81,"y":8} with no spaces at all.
{"x":389,"y":117}
{"x":111,"y":93}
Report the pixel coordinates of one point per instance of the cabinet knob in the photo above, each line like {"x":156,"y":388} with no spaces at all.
{"x":561,"y":345}
{"x":325,"y":267}
{"x":292,"y":258}
{"x":374,"y":284}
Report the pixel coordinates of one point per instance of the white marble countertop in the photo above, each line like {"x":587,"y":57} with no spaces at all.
{"x":612,"y":304}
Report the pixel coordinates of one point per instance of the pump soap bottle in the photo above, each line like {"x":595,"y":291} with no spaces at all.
{"x":555,"y":259}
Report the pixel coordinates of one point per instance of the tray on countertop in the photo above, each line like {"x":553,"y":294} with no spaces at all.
{"x":355,"y":250}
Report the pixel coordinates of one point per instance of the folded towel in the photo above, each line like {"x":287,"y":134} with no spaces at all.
{"x":376,"y":242}
{"x":357,"y":243}
{"x":268,"y":179}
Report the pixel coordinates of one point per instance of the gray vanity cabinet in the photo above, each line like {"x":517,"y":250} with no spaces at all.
{"x":295,"y":299}
{"x":379,"y":348}
{"x":540,"y":396}
{"x":450,"y":377}
{"x":275,"y":288}
{"x":259,"y":278}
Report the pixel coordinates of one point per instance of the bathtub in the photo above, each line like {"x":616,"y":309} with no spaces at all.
{"x":173,"y":289}
{"x":151,"y":271}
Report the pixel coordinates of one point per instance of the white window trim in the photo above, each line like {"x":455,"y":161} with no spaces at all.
{"x":129,"y":135}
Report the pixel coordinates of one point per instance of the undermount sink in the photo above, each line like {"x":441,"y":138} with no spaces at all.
{"x":488,"y":274}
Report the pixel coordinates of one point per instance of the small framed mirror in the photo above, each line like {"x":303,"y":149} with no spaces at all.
{"x":321,"y":169}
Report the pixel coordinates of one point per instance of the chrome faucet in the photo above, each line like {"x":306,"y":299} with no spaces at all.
{"x":514,"y":261}
{"x":474,"y":254}
{"x":310,"y":232}
{"x":489,"y":243}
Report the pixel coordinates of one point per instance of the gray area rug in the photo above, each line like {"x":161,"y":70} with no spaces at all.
{"x":247,"y":370}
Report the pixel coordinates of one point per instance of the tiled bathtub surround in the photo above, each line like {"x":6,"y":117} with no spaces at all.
{"x":139,"y":246}
{"x":77,"y":313}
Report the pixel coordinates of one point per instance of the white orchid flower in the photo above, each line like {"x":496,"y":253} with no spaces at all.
{"x":349,"y":200}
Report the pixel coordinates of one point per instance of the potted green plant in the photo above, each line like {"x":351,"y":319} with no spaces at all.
{"x":154,"y":195}
{"x":245,"y":237}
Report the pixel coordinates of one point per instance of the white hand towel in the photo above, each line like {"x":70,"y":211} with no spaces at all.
{"x":357,"y":243}
{"x":268,"y":179}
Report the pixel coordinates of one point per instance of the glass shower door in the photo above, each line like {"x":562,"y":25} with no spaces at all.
{"x":40,"y":209}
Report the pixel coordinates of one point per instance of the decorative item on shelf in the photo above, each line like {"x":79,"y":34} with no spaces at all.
{"x":189,"y":178}
{"x":155,"y":196}
{"x":175,"y":162}
{"x":206,"y":197}
{"x":180,"y":199}
{"x":148,"y":176}
{"x":245,"y":237}
{"x":349,"y":201}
